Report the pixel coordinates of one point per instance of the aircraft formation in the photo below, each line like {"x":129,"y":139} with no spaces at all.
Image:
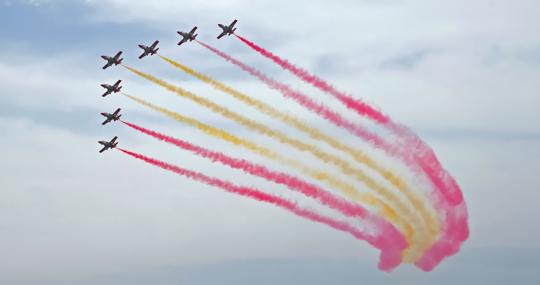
{"x":408,"y":221}
{"x":227,"y":30}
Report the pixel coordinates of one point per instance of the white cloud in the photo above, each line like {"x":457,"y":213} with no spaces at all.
{"x":83,"y":213}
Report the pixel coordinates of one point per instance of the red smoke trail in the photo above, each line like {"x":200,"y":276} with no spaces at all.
{"x":360,"y":106}
{"x":455,"y":231}
{"x":424,"y":157}
{"x":304,"y":100}
{"x":449,"y":198}
{"x":308,"y":189}
{"x":385,"y":229}
{"x":389,"y":259}
{"x":428,"y":160}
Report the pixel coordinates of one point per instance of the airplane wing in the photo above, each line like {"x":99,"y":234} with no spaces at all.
{"x":107,"y":65}
{"x":106,"y":121}
{"x":221,"y":35}
{"x":182,"y":41}
{"x":117,"y":111}
{"x":117,"y":56}
{"x":117,"y":83}
{"x":233,"y":23}
{"x":114,"y":139}
{"x":106,"y":93}
{"x":155,"y":44}
{"x":103,"y":149}
{"x":143,"y":54}
{"x":192,"y":30}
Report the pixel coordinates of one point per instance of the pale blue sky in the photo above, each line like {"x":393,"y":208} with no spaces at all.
{"x":463,"y":75}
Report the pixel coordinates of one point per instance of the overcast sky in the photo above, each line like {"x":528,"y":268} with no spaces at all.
{"x":463,"y":74}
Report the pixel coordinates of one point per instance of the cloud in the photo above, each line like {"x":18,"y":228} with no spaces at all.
{"x":463,"y":74}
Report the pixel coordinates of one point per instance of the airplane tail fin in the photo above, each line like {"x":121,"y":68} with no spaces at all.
{"x":120,"y":61}
{"x":156,"y":50}
{"x":233,"y":30}
{"x":195,"y":36}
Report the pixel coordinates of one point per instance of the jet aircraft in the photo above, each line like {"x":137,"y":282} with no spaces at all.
{"x":115,"y":60}
{"x":111,"y":88}
{"x":149,"y":50}
{"x":187,"y":36}
{"x":111,"y":117}
{"x":108,"y":144}
{"x":227,"y":30}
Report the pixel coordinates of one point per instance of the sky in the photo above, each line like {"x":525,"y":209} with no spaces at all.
{"x":461,"y":74}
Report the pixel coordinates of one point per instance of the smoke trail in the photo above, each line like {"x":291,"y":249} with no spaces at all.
{"x":424,"y":159}
{"x":348,"y":189}
{"x":402,"y":207}
{"x":303,"y":100}
{"x":427,"y":215}
{"x":455,"y":232}
{"x":310,"y":190}
{"x":358,"y":155}
{"x":362,"y":107}
{"x":390,"y":256}
{"x":429,"y":162}
{"x":294,"y":183}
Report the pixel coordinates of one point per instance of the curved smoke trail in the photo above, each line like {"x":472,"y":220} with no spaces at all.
{"x":347,"y":189}
{"x":418,"y":244}
{"x":429,"y":162}
{"x":389,"y":259}
{"x":316,"y":134}
{"x":450,"y":197}
{"x":386,"y":230}
{"x":294,"y":183}
{"x":427,"y":215}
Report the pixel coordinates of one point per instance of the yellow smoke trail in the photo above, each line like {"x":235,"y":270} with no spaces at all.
{"x":318,"y":175}
{"x":428,"y":214}
{"x":416,"y":240}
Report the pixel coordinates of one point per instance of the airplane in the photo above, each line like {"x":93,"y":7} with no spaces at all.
{"x":151,"y":50}
{"x":111,"y":117}
{"x":111,"y":88}
{"x":187,"y":36}
{"x":115,"y":60}
{"x":227,"y":30}
{"x":108,"y":144}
